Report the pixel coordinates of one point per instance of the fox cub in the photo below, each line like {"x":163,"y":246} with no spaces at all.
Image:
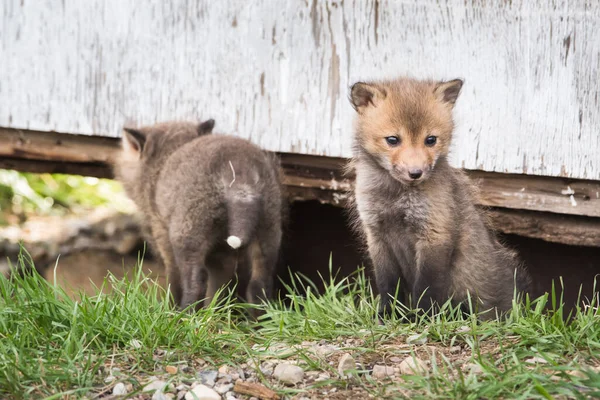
{"x":209,"y":201}
{"x":415,"y":211}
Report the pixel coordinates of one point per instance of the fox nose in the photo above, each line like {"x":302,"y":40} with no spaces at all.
{"x":415,"y":173}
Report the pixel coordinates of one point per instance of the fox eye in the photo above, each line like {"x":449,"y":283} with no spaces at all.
{"x":392,"y":140}
{"x":430,"y":140}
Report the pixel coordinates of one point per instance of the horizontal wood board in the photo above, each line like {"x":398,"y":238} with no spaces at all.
{"x":553,"y":209}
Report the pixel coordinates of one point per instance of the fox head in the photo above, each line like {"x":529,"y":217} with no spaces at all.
{"x":405,"y":125}
{"x":152,"y":141}
{"x":141,"y":147}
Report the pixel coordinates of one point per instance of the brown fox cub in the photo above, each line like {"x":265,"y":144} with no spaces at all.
{"x":209,"y":201}
{"x":416,"y":212}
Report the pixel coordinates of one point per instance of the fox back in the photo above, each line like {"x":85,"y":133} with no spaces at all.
{"x":213,"y":203}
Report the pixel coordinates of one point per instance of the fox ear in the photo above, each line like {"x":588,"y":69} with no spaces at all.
{"x":206,"y":127}
{"x":448,"y":91}
{"x":364,"y":94}
{"x":134,"y":140}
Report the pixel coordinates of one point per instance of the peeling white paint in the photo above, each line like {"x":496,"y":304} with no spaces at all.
{"x":278,"y":72}
{"x":573,"y":201}
{"x":567,"y":191}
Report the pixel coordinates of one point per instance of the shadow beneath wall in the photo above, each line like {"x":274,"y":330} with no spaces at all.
{"x":317,"y":231}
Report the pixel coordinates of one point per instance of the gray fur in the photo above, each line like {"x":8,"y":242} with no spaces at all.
{"x":184,"y":185}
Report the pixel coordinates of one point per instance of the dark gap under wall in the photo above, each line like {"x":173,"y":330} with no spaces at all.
{"x":317,"y":231}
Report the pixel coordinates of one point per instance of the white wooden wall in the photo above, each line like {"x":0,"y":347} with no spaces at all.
{"x":278,"y":72}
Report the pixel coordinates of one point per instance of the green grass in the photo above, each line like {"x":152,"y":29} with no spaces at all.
{"x":52,"y":346}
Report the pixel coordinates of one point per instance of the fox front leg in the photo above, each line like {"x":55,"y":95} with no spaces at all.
{"x":431,"y":287}
{"x":387,"y":277}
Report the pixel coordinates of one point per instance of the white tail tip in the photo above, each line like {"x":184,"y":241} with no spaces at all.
{"x":234,"y":241}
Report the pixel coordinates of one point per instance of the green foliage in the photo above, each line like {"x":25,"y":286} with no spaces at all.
{"x":24,"y":194}
{"x":53,"y":346}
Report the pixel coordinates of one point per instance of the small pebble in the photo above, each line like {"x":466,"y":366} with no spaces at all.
{"x":223,"y":388}
{"x":322,"y":377}
{"x":474,"y":368}
{"x":463,"y":329}
{"x":119,"y":389}
{"x":223,"y":369}
{"x":417,"y":339}
{"x":154,"y":386}
{"x":346,"y":364}
{"x":171,"y":369}
{"x":536,"y":360}
{"x":207,"y":377}
{"x":576,"y":373}
{"x":135,"y":344}
{"x":288,"y":373}
{"x":267,"y":368}
{"x":455,"y":349}
{"x":382,"y":372}
{"x":325,"y":350}
{"x":181,"y":394}
{"x":412,"y":365}
{"x":159,"y":395}
{"x":395,"y":359}
{"x":202,"y":392}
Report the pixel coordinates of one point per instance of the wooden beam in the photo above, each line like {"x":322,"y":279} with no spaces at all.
{"x":98,"y":170}
{"x":538,"y":193}
{"x":53,"y":146}
{"x":566,"y":229}
{"x":554,"y":209}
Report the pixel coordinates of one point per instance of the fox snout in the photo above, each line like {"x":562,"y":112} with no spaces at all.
{"x":411,"y":173}
{"x":415,"y":173}
{"x":411,"y":164}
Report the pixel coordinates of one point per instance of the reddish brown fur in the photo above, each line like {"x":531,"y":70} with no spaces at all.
{"x":417,"y":213}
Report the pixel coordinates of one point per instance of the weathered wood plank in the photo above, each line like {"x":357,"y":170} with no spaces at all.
{"x":277,"y":72}
{"x":304,"y":173}
{"x":516,"y":200}
{"x":566,"y":229}
{"x":523,"y":192}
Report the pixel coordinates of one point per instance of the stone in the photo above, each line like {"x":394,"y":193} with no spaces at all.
{"x":536,"y":360}
{"x":267,"y":368}
{"x":412,"y":365}
{"x":395,"y":359}
{"x":346,"y":364}
{"x":223,"y":388}
{"x":474,"y":368}
{"x":382,"y":372}
{"x":120,"y":389}
{"x":202,"y":392}
{"x":417,"y":339}
{"x":455,"y":349}
{"x":155,"y":385}
{"x":223,"y":370}
{"x":463,"y":329}
{"x":208,"y":377}
{"x":171,"y":369}
{"x":159,"y":395}
{"x":325,"y":349}
{"x":288,"y":373}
